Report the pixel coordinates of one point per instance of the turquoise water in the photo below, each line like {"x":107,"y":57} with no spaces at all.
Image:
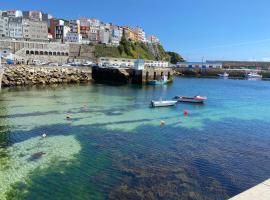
{"x":113,"y":146}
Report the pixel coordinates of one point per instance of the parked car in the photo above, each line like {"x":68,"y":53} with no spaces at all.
{"x":66,"y":65}
{"x":53,"y":64}
{"x":88,"y":63}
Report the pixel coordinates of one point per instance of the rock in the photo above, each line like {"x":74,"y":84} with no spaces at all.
{"x":27,"y":75}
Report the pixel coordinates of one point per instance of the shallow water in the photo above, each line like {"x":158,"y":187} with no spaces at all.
{"x":113,"y":147}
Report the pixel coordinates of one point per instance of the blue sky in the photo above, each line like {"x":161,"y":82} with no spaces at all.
{"x":213,"y":29}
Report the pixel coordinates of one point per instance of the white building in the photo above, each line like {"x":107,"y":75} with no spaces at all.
{"x":131,"y":63}
{"x":32,"y":15}
{"x":93,"y":34}
{"x":94,"y":22}
{"x":156,"y":64}
{"x":153,"y":39}
{"x":74,"y":26}
{"x":140,"y":34}
{"x":73,"y":37}
{"x":61,"y":31}
{"x":116,"y":62}
{"x":15,"y":27}
{"x":199,"y":65}
{"x":12,"y":13}
{"x":104,"y":35}
{"x":139,"y":64}
{"x":4,"y":32}
{"x":116,"y":34}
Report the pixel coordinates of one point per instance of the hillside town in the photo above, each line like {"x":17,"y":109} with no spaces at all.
{"x":42,"y":27}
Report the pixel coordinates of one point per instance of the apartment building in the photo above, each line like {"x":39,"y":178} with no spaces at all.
{"x":74,"y":26}
{"x":15,"y":27}
{"x":140,"y":34}
{"x":73,"y":37}
{"x":35,"y":30}
{"x":4,"y":30}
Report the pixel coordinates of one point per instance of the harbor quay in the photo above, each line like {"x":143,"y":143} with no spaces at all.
{"x":17,"y":75}
{"x":130,"y":76}
{"x":259,"y":192}
{"x":211,"y":72}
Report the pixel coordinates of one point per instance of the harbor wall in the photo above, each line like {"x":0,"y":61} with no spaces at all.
{"x":125,"y":76}
{"x":15,"y":75}
{"x":214,"y":72}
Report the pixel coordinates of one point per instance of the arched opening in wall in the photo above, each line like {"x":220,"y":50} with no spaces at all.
{"x":147,"y":76}
{"x":161,"y":74}
{"x":50,"y":53}
{"x":41,"y":53}
{"x":27,"y":52}
{"x":66,"y":54}
{"x":45,"y":53}
{"x":155,"y":75}
{"x":62,"y":54}
{"x":54,"y":53}
{"x":36,"y":53}
{"x":32,"y":52}
{"x":58,"y":53}
{"x":169,"y":75}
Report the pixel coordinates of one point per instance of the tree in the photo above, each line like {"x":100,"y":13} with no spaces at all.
{"x":175,"y":57}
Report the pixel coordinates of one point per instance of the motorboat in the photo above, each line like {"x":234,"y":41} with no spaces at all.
{"x":254,"y":75}
{"x":163,"y":103}
{"x":195,"y":99}
{"x":164,"y":80}
{"x":224,"y":75}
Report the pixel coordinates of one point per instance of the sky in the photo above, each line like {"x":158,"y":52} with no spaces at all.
{"x":197,"y":29}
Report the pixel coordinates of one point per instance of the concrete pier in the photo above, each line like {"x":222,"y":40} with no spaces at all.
{"x":259,"y":192}
{"x":125,"y":76}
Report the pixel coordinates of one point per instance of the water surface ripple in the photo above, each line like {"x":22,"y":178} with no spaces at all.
{"x":105,"y":142}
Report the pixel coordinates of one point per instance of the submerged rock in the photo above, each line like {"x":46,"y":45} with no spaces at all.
{"x":36,"y":156}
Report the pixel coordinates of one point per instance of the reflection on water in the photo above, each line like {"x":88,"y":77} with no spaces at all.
{"x":113,"y":147}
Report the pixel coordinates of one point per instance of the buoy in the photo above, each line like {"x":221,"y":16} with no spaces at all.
{"x":68,"y":117}
{"x":162,"y":123}
{"x":44,"y":135}
{"x":185,"y":113}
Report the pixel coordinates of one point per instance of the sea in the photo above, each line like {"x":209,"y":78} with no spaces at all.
{"x":99,"y":141}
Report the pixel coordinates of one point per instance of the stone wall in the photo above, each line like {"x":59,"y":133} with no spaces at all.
{"x":130,"y":75}
{"x":216,"y":72}
{"x":15,"y":75}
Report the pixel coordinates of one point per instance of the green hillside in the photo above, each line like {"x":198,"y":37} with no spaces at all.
{"x":129,"y":49}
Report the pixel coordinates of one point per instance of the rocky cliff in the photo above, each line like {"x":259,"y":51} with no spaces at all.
{"x":29,"y":75}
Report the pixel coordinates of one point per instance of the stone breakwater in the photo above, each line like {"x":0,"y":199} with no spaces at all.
{"x":15,"y":75}
{"x":214,"y":72}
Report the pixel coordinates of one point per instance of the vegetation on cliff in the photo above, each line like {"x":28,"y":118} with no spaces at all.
{"x":129,"y":49}
{"x":175,"y":57}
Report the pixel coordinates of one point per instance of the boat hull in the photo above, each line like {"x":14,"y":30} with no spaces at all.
{"x":163,"y":103}
{"x":191,"y":99}
{"x":157,"y":82}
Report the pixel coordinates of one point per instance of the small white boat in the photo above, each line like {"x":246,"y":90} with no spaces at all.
{"x":254,"y":75}
{"x":195,"y":99}
{"x":224,"y":75}
{"x":162,"y":103}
